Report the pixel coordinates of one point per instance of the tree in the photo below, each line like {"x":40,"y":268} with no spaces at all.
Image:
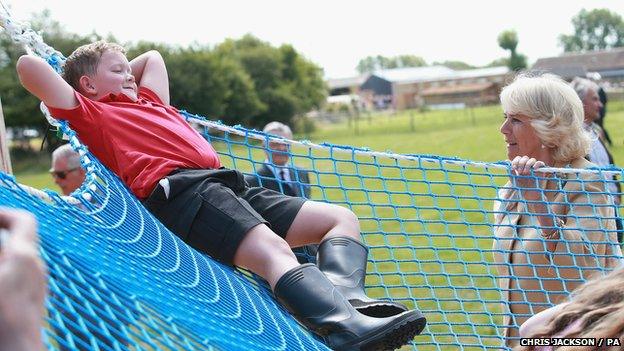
{"x":508,"y":40}
{"x":597,"y":29}
{"x":503,"y":61}
{"x":207,"y":84}
{"x":374,"y":63}
{"x":244,"y":81}
{"x":458,"y":65}
{"x":407,"y":61}
{"x":367,"y":65}
{"x":285,"y":82}
{"x":21,"y":109}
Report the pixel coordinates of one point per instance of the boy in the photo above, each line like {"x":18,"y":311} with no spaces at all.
{"x":121,"y":111}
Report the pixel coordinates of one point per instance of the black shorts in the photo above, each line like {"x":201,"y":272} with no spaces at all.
{"x":213,"y":209}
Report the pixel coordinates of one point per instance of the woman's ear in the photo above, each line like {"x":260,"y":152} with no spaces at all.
{"x":86,"y":85}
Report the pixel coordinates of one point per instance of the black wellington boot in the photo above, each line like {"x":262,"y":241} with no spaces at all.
{"x":343,"y":260}
{"x":307,"y":293}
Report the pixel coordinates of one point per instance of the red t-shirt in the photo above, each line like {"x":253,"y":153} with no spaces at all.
{"x":140,"y":141}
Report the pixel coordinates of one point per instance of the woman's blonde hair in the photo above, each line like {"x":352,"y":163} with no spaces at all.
{"x":555,"y":110}
{"x":598,"y":306}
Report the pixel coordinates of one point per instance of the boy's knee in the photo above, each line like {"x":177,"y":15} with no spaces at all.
{"x":281,"y":246}
{"x":274,"y":245}
{"x":345,"y":216}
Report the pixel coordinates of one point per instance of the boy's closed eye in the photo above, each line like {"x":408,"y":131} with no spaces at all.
{"x":121,"y":69}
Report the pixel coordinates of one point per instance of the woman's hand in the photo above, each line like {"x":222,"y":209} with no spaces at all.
{"x":530,"y":190}
{"x":22,"y":283}
{"x":521,"y":177}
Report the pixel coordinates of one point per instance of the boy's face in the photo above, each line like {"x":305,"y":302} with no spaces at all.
{"x":113,"y":76}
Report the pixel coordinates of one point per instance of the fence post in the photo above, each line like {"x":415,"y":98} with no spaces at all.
{"x":5,"y":157}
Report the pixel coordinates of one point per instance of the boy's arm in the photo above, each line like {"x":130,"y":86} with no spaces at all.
{"x":149,"y":71}
{"x":38,"y":77}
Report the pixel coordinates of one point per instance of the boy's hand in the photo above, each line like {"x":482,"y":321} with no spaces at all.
{"x":41,"y":80}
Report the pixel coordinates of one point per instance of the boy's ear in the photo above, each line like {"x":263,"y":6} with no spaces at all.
{"x":86,"y":85}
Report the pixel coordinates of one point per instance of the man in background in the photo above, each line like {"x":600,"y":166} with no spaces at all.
{"x":602,"y":95}
{"x":279,"y":174}
{"x":66,"y":169}
{"x":599,"y":153}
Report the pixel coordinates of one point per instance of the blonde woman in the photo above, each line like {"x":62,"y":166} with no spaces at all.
{"x":553,"y":231}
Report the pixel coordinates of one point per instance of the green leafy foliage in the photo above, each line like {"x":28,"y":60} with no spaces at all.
{"x":502,"y":61}
{"x":454,"y":64}
{"x":20,"y":108}
{"x":286,"y":83}
{"x":597,"y":29}
{"x":245,"y":81}
{"x":370,"y":64}
{"x":508,"y":40}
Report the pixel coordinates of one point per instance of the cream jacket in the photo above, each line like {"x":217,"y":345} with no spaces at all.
{"x":531,"y":279}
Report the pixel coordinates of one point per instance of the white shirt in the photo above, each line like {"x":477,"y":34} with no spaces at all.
{"x":284,"y":170}
{"x":598,"y":155}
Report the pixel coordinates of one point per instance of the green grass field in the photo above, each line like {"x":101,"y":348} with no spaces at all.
{"x":428,"y":224}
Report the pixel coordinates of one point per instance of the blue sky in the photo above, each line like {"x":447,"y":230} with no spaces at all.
{"x":334,"y":34}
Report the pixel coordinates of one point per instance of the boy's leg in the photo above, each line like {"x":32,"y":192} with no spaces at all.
{"x":316,"y":302}
{"x":341,"y":255}
{"x":266,"y":254}
{"x":325,"y":306}
{"x":317,"y":221}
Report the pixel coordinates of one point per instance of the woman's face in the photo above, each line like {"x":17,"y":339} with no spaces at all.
{"x":521,"y":138}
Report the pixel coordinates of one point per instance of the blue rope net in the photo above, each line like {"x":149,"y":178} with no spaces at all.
{"x":119,"y":280}
{"x":430,"y":221}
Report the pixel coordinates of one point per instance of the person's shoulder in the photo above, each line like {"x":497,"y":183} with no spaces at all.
{"x":582,"y":177}
{"x":302,"y":172}
{"x":264,"y":170}
{"x":596,"y":127}
{"x":85,"y":108}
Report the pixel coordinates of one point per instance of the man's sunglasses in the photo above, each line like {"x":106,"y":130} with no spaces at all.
{"x":62,"y":174}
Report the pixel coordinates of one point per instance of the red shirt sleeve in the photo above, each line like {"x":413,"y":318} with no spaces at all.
{"x":87,"y":110}
{"x":147,"y":94}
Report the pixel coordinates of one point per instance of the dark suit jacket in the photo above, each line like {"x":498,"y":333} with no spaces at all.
{"x":298,"y":186}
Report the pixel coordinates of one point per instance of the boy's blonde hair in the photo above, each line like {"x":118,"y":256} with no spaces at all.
{"x":84,"y":61}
